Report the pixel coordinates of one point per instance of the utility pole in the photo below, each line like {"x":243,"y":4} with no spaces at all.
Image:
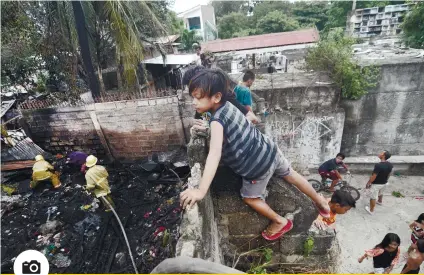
{"x":349,"y":17}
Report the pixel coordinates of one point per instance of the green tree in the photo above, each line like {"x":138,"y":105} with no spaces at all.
{"x":223,"y":8}
{"x":19,"y":39}
{"x":311,"y":14}
{"x":333,"y":54}
{"x":230,"y":24}
{"x":413,"y":27}
{"x":188,"y":38}
{"x":175,"y":25}
{"x":276,"y":21}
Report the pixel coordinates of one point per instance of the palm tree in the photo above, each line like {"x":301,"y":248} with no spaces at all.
{"x":115,"y":26}
{"x":85,"y":47}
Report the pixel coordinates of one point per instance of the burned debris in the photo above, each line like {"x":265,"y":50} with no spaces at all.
{"x":71,"y":228}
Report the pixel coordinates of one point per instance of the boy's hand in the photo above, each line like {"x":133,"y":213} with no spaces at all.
{"x":252,"y":117}
{"x":320,"y":224}
{"x":360,"y":260}
{"x":190,"y":196}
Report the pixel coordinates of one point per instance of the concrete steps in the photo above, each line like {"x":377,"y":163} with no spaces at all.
{"x":413,"y":165}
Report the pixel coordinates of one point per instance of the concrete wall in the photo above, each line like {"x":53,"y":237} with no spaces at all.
{"x":132,"y":129}
{"x":230,"y":228}
{"x":390,"y":117}
{"x":303,"y":117}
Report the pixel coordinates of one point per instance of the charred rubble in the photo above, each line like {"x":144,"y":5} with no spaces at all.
{"x":77,"y":235}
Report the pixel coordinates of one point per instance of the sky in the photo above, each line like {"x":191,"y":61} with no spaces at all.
{"x":183,"y":5}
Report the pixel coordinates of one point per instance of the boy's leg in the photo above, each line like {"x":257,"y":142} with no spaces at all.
{"x":303,"y":185}
{"x":336,"y":177}
{"x":260,"y":206}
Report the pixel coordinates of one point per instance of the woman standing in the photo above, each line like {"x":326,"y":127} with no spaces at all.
{"x":385,"y":255}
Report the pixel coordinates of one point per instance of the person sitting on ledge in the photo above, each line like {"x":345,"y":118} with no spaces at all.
{"x":244,"y":149}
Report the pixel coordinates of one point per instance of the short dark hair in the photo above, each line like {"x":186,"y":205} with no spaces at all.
{"x":343,"y":198}
{"x":191,"y":72}
{"x":387,"y":154}
{"x":248,"y":75}
{"x":420,"y":218}
{"x":211,"y":82}
{"x":341,"y":155}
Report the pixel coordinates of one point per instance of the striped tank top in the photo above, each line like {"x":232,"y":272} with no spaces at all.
{"x":245,"y":150}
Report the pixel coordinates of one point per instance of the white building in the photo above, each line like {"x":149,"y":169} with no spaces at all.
{"x":202,"y":20}
{"x":378,"y":20}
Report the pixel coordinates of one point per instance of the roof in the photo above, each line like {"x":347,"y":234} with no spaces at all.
{"x":173,"y":59}
{"x":6,"y":105}
{"x":189,"y":10}
{"x":24,"y":150}
{"x":262,"y":41}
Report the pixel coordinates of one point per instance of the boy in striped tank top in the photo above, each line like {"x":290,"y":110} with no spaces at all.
{"x":244,"y":149}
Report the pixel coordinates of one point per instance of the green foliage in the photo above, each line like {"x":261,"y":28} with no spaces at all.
{"x":311,"y":13}
{"x":413,"y":27}
{"x":188,"y":38}
{"x":223,"y":8}
{"x":175,"y":25}
{"x":19,"y":42}
{"x":397,"y":194}
{"x":265,"y":258}
{"x":308,"y":246}
{"x":276,"y":21}
{"x":333,"y":54}
{"x":230,"y":24}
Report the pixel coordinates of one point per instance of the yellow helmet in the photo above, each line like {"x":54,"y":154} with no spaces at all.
{"x":39,"y":157}
{"x":90,"y":161}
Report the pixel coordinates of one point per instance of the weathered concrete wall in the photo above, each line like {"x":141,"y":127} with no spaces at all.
{"x":132,"y":129}
{"x":229,"y":227}
{"x":303,"y":116}
{"x":390,"y":117}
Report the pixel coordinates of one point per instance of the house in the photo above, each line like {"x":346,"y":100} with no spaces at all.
{"x":383,"y":21}
{"x":202,"y":20}
{"x":276,"y":50}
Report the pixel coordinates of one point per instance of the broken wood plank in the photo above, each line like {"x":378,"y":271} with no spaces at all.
{"x":17,"y":165}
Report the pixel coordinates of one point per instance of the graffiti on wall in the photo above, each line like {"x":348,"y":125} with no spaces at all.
{"x":286,"y":134}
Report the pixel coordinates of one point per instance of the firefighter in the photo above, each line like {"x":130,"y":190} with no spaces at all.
{"x":97,"y":183}
{"x":42,"y":170}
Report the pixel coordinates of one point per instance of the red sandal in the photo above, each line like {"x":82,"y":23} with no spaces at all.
{"x":279,"y":234}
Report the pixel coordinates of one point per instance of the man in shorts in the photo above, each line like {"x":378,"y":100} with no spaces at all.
{"x":378,"y":180}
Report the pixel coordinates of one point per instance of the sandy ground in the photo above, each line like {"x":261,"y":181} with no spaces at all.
{"x":358,"y":230}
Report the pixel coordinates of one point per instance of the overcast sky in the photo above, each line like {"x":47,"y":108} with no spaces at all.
{"x":183,"y":5}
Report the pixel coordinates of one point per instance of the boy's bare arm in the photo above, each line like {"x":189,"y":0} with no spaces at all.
{"x":190,"y":196}
{"x":214,"y":156}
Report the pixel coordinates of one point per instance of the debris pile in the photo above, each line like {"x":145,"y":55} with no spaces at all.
{"x":77,"y":235}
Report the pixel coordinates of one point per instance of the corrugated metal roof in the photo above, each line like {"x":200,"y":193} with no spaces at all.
{"x":24,"y":150}
{"x":262,"y":41}
{"x":6,"y":105}
{"x":173,"y":59}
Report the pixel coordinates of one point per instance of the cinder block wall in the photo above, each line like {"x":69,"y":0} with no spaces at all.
{"x":133,"y":129}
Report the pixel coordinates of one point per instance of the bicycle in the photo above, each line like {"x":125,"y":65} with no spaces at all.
{"x":342,"y":185}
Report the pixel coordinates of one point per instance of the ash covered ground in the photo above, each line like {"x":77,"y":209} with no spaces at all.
{"x":78,"y":240}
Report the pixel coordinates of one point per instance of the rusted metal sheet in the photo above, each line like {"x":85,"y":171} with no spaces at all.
{"x":17,"y":165}
{"x":262,"y":41}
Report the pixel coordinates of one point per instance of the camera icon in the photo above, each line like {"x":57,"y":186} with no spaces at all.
{"x":32,"y":267}
{"x":31,"y":262}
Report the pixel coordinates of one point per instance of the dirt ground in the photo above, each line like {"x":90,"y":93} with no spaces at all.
{"x":358,"y":230}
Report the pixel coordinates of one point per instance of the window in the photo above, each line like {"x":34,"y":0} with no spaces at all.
{"x":194,"y":23}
